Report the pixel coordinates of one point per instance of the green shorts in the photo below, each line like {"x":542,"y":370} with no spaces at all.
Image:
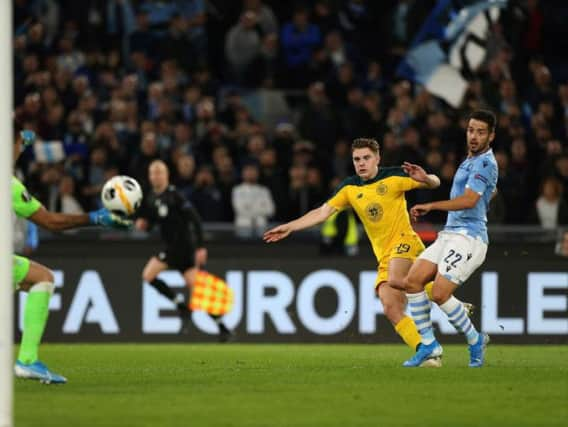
{"x":20,"y":269}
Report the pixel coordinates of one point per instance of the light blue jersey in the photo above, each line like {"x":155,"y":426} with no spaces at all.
{"x":478,"y":173}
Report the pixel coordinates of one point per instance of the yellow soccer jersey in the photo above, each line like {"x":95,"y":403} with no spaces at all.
{"x":380,"y":204}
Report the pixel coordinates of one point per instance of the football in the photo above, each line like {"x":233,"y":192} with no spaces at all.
{"x":122,"y":195}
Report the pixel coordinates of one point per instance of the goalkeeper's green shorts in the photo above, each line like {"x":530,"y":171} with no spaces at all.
{"x":20,"y":269}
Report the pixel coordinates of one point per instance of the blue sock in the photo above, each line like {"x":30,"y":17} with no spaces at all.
{"x":420,"y":306}
{"x":458,"y":317}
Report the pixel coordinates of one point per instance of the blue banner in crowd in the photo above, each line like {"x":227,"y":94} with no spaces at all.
{"x":450,"y":45}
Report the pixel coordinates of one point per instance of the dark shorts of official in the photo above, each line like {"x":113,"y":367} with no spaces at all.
{"x":177,"y":259}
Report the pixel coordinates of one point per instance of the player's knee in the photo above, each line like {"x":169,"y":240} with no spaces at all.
{"x":440,"y":295}
{"x":46,"y":275}
{"x":411,"y":284}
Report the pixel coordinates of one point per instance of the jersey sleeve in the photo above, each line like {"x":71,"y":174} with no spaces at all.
{"x":23,"y":203}
{"x":405,"y":183}
{"x":480,"y":177}
{"x":339,"y":200}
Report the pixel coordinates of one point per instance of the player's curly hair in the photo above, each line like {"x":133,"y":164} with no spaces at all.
{"x":370,"y":143}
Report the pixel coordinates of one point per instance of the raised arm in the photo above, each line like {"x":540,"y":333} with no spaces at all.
{"x":466,"y":201}
{"x":313,"y":217}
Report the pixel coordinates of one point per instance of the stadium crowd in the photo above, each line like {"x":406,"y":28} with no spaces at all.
{"x":174,"y":80}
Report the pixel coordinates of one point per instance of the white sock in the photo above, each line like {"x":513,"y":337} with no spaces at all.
{"x":458,"y":317}
{"x":420,"y":307}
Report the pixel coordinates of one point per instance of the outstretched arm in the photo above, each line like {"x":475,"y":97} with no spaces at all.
{"x":466,"y":201}
{"x":55,"y":221}
{"x":417,"y":173}
{"x":313,"y":217}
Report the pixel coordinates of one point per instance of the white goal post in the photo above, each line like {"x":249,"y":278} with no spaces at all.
{"x":6,"y":288}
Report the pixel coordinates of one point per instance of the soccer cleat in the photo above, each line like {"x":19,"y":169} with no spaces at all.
{"x":38,"y":371}
{"x":477,"y":351}
{"x":424,"y":352}
{"x":433,"y":362}
{"x":469,"y":308}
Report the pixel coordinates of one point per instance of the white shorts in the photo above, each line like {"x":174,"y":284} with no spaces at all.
{"x":457,"y":255}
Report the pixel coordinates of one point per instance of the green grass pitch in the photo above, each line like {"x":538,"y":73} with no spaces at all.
{"x":294,"y":385}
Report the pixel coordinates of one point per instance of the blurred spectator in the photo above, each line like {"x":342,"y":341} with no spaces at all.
{"x":184,"y":175}
{"x":70,"y":59}
{"x":265,"y":70}
{"x":273,"y":177}
{"x":300,"y":197}
{"x":147,"y":153}
{"x":226,"y":181}
{"x":176,"y":43}
{"x":342,"y":163}
{"x":550,"y":210}
{"x":358,"y":116}
{"x":142,"y":39}
{"x":207,"y":197}
{"x":195,"y":18}
{"x":264,"y":15}
{"x":26,"y":238}
{"x":243,"y":46}
{"x":339,"y":234}
{"x":562,"y":172}
{"x":339,"y":85}
{"x":325,"y":16}
{"x":93,"y":103}
{"x":299,"y":38}
{"x":67,"y":201}
{"x":98,"y":163}
{"x":121,"y":22}
{"x":252,"y":203}
{"x":319,"y":122}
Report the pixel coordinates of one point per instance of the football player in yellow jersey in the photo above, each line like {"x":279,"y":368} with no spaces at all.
{"x":377,"y":195}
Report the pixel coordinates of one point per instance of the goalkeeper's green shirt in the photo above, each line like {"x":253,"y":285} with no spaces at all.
{"x":23,"y":203}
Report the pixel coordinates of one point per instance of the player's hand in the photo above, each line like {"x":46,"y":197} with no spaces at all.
{"x":277,"y":233}
{"x":415,"y":172}
{"x":28,"y":137}
{"x":420,"y":210}
{"x":200,"y":257}
{"x":108,"y":219}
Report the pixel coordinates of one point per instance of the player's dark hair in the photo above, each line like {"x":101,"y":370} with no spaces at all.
{"x":484,"y":116}
{"x":370,"y":143}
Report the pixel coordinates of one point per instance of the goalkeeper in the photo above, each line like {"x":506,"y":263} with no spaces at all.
{"x":36,"y":279}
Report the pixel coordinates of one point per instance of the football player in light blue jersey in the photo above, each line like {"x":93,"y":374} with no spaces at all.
{"x":460,"y":248}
